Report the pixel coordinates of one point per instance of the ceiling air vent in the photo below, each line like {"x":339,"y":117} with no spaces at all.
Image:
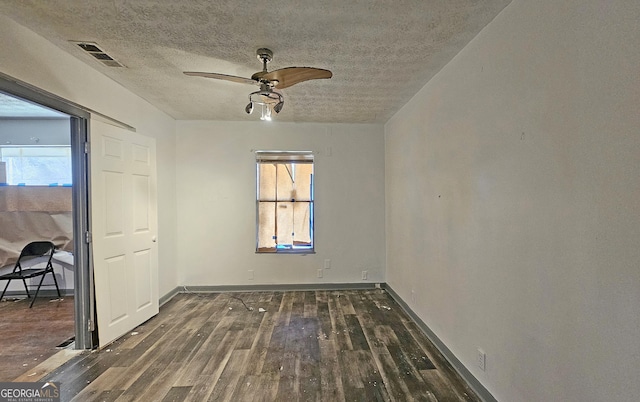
{"x":93,"y":49}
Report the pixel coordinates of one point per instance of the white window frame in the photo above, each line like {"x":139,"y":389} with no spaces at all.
{"x":286,"y":157}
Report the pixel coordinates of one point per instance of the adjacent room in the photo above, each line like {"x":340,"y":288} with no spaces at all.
{"x":35,"y":205}
{"x":340,"y":201}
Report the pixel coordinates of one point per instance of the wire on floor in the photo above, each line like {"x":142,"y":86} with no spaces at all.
{"x":249,"y":308}
{"x":190,"y":292}
{"x":245,"y":305}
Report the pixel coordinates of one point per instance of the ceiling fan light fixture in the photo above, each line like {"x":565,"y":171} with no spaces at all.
{"x":269,"y":101}
{"x":278,"y":107}
{"x":266,"y":113}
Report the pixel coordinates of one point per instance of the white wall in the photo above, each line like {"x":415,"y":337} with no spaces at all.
{"x":513,"y":213}
{"x":30,"y":58}
{"x":216,"y":187}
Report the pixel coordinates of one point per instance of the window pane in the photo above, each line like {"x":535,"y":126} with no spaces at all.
{"x":37,"y":165}
{"x":285,"y":223}
{"x":285,"y":190}
{"x":267,"y":181}
{"x":266,"y":226}
{"x":301,"y":221}
{"x":304,"y":172}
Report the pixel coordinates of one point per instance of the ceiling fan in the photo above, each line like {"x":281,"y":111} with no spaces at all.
{"x":267,"y":97}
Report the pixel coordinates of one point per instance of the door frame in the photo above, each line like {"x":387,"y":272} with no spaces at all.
{"x":84,"y":303}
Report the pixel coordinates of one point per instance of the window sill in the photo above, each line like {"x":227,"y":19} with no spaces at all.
{"x":298,"y":252}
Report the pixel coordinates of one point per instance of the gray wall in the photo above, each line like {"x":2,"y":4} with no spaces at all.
{"x":47,"y":131}
{"x":513,"y":220}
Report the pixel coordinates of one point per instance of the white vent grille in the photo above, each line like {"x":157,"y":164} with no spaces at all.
{"x":92,"y":49}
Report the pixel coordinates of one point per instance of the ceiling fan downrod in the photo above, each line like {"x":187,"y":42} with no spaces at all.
{"x":266,"y":55}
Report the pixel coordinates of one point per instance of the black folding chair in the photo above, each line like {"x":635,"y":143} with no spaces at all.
{"x":30,"y":251}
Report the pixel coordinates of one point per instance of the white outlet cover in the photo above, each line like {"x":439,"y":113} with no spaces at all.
{"x":482,"y":360}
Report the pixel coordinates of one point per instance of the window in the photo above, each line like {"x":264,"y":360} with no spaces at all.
{"x":284,"y":202}
{"x":36,"y":166}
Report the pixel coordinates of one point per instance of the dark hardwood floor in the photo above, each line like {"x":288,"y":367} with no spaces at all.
{"x":28,"y":336}
{"x":306,"y":346}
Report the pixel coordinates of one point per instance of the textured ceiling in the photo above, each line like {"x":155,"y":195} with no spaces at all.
{"x":11,"y":107}
{"x":381,"y":52}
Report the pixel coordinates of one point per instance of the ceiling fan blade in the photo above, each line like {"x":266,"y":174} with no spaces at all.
{"x":289,"y":76}
{"x":225,"y":77}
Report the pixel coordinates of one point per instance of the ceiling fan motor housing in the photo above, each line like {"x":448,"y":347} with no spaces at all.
{"x":264,"y":54}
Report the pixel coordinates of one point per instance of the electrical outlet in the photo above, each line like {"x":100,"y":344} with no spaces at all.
{"x":413,"y":296}
{"x":327,"y":264}
{"x":250,"y":274}
{"x":365,"y":274}
{"x":481,"y":360}
{"x":319,"y":273}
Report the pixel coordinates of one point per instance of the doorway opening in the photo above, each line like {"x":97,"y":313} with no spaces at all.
{"x":44,"y":183}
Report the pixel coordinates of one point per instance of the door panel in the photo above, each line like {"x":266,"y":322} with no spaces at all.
{"x":115,"y":272}
{"x":143,"y":277}
{"x":124,"y":216}
{"x":141,"y":204}
{"x":113,"y":203}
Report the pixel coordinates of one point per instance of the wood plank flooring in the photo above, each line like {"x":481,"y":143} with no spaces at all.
{"x":355,"y":345}
{"x":28,"y":336}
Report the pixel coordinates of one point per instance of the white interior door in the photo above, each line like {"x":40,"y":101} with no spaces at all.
{"x":124,"y":228}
